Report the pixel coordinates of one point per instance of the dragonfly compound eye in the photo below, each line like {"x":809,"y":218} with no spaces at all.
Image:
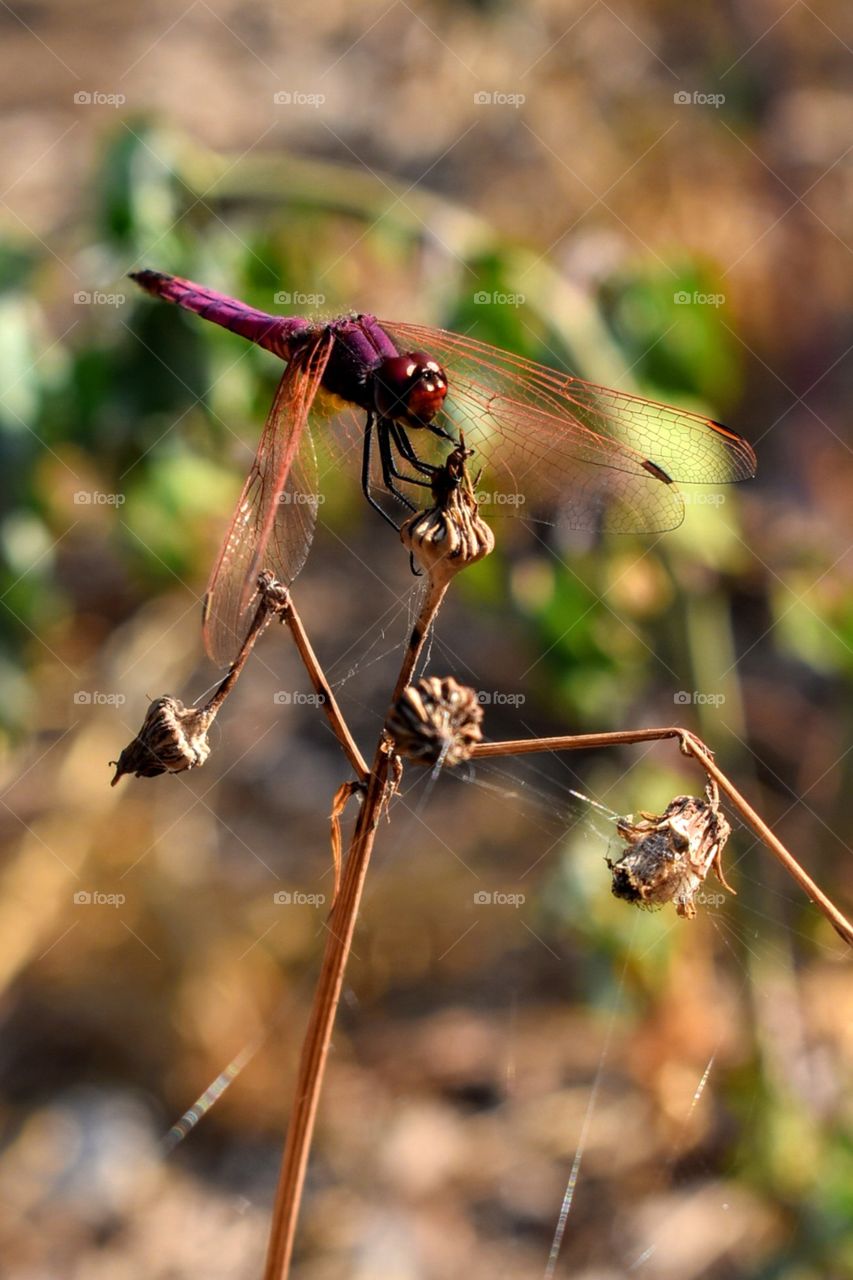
{"x":410,"y":388}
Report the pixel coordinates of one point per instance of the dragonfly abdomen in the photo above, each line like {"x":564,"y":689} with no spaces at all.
{"x":275,"y":333}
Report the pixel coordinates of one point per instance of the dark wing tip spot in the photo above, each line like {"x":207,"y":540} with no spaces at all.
{"x":656,"y":471}
{"x":723,"y":429}
{"x":744,"y":448}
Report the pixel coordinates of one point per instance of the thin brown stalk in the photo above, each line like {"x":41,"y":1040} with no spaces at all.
{"x":837,"y":919}
{"x":426,"y":616}
{"x":323,"y":688}
{"x":691,"y":745}
{"x":264,"y":614}
{"x":575,"y":742}
{"x":343,"y":795}
{"x":276,"y":601}
{"x":341,"y":925}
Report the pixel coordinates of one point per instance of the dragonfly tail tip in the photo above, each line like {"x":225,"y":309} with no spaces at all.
{"x":150,"y":281}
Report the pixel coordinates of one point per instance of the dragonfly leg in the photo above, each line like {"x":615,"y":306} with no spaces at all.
{"x":442,"y":434}
{"x":365,"y":472}
{"x":407,"y":450}
{"x":389,"y":470}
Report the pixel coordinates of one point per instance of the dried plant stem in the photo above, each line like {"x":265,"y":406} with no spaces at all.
{"x":426,"y":616}
{"x":323,"y":688}
{"x":341,"y":925}
{"x":576,"y":742}
{"x":264,"y":614}
{"x":837,"y":919}
{"x":315,"y":1048}
{"x":691,"y":745}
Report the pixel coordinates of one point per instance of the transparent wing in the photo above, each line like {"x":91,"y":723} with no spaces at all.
{"x":273,"y":523}
{"x":604,"y":458}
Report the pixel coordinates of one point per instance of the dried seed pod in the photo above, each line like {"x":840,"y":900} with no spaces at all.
{"x":436,"y":721}
{"x":669,"y":856}
{"x":172,"y":738}
{"x":451,"y":534}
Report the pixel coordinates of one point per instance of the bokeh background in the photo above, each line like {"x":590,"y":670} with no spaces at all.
{"x":656,"y":196}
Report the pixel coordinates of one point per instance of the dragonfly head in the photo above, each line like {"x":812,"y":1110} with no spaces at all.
{"x":410,"y":388}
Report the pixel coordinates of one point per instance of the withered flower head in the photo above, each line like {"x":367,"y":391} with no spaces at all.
{"x":451,"y":534}
{"x":172,"y":738}
{"x":436,"y":720}
{"x":668,"y":857}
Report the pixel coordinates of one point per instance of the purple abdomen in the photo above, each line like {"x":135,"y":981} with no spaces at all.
{"x":275,"y":333}
{"x":361,"y":346}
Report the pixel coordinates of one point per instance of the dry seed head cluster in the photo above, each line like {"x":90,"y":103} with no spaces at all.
{"x":436,"y":721}
{"x":669,"y":856}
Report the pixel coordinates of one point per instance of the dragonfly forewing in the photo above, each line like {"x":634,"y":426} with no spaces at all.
{"x":273,"y":522}
{"x":605,"y":459}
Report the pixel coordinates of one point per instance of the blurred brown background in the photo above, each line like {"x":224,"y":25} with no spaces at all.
{"x":655,"y":196}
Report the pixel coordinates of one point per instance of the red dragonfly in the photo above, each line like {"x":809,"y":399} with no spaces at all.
{"x":604,"y":459}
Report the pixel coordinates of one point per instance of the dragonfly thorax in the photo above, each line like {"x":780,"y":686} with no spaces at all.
{"x":410,"y":389}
